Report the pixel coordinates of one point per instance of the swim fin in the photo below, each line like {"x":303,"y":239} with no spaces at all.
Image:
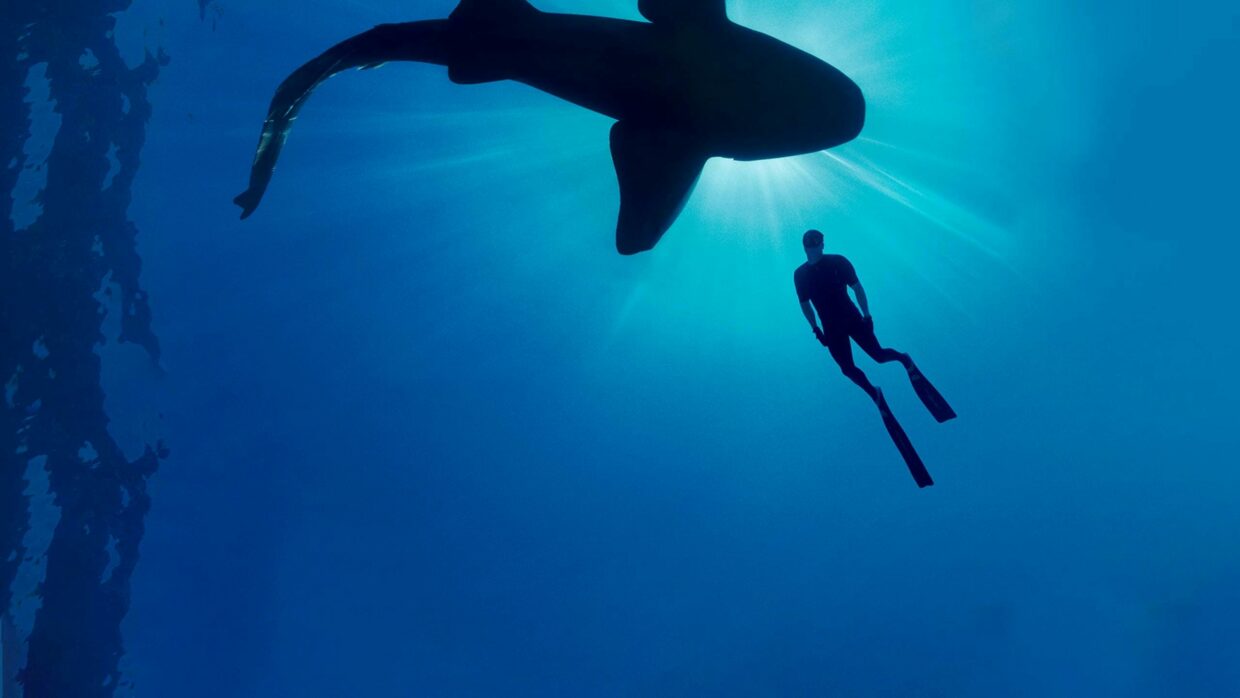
{"x":915,"y":467}
{"x":930,"y":397}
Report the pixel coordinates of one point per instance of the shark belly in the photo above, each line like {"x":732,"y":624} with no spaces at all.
{"x":735,"y":92}
{"x":618,"y":68}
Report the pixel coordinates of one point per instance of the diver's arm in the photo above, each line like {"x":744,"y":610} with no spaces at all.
{"x":859,"y":292}
{"x":809,"y":315}
{"x":813,"y":322}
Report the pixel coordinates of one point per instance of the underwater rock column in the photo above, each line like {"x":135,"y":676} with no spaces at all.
{"x":14,"y":129}
{"x":50,"y":323}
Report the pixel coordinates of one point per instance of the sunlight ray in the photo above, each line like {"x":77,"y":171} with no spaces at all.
{"x":904,"y":194}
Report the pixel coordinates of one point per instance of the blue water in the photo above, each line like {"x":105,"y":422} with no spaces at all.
{"x":432,"y":436}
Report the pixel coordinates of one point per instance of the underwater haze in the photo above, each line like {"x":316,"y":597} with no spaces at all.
{"x":430,"y":435}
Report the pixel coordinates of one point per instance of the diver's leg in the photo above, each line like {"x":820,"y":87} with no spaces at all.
{"x":426,"y":42}
{"x":841,"y":350}
{"x":864,"y":335}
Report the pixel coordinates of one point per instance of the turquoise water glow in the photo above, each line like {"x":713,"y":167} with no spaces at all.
{"x":432,"y":436}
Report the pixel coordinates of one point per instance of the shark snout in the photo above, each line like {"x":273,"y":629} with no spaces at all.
{"x":853,"y":117}
{"x":840,"y":113}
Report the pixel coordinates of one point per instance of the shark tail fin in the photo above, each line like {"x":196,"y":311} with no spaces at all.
{"x":491,"y":10}
{"x":248,"y":200}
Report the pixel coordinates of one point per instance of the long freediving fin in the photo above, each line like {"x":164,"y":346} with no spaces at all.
{"x":930,"y":397}
{"x":915,"y":467}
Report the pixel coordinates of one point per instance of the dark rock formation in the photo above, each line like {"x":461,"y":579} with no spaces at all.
{"x":51,"y":271}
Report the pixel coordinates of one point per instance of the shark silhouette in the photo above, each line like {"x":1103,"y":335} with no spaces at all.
{"x":684,"y":87}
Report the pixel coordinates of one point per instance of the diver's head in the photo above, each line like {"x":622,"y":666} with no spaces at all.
{"x":812,"y":240}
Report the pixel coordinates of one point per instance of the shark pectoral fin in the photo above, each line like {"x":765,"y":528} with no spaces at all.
{"x":683,"y":11}
{"x":657,"y":168}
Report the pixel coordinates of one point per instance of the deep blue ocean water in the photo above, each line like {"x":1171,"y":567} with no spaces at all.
{"x":431,"y":436}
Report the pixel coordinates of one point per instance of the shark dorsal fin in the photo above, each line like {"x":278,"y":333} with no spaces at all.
{"x":657,"y":168}
{"x":491,"y":10}
{"x":683,"y":11}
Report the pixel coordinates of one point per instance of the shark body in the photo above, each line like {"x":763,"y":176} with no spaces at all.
{"x":684,"y":87}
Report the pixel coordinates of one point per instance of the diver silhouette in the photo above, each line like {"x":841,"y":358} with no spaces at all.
{"x":822,"y":284}
{"x":684,"y":87}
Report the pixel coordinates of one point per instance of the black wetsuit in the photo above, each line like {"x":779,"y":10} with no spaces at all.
{"x":825,"y":284}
